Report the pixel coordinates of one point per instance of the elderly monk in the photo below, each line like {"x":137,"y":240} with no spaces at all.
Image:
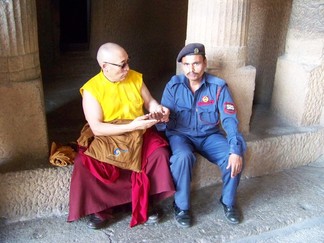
{"x":122,"y":159}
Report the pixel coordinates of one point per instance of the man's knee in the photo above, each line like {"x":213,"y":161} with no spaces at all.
{"x":183,"y":159}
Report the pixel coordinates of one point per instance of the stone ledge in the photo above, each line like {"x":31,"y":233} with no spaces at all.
{"x":45,"y":192}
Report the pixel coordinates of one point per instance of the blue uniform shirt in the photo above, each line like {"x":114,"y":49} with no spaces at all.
{"x":201,"y":114}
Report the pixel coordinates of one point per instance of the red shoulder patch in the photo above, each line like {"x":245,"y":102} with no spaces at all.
{"x":229,"y":108}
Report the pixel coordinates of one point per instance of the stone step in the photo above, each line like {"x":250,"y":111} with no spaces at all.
{"x":38,"y":193}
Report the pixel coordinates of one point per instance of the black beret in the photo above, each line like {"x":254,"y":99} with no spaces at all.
{"x":191,"y":49}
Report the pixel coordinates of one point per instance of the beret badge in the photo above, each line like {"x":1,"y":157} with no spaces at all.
{"x":191,"y":49}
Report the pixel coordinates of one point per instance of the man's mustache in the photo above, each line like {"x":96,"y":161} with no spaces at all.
{"x":191,"y":73}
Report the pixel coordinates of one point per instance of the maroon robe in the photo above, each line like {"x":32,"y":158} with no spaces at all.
{"x":90,"y":194}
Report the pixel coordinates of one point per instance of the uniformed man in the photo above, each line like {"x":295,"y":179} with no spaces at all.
{"x":202,"y":109}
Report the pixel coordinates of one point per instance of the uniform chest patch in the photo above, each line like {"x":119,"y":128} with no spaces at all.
{"x":229,"y":108}
{"x":205,"y":101}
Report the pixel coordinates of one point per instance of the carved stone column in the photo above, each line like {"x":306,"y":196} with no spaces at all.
{"x":298,"y":93}
{"x":23,"y":136}
{"x":222,"y":27}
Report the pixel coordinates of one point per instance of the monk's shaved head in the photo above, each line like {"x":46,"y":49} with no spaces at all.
{"x":108,"y":52}
{"x":113,"y":60}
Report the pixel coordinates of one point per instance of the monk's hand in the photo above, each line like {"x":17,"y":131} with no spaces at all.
{"x":143,"y":122}
{"x":235,"y":163}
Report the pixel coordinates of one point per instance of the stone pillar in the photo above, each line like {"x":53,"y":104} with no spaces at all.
{"x":298,"y":93}
{"x":222,"y":27}
{"x":23,"y":136}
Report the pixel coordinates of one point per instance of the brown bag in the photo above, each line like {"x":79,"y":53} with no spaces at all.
{"x":123,"y":151}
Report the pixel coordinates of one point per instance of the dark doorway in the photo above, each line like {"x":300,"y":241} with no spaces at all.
{"x":74,"y":25}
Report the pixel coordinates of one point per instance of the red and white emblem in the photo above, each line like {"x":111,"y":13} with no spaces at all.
{"x":229,"y":108}
{"x":205,"y":99}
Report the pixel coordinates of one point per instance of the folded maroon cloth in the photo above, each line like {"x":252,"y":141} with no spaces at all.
{"x":140,"y":182}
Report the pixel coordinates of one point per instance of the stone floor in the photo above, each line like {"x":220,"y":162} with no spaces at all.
{"x":281,"y":207}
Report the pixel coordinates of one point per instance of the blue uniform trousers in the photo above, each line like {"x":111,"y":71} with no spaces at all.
{"x":215,"y":149}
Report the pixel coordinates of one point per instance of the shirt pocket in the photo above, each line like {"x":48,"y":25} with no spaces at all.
{"x":207,"y":115}
{"x":183,"y":117}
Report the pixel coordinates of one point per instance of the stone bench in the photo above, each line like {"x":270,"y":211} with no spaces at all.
{"x":38,"y":193}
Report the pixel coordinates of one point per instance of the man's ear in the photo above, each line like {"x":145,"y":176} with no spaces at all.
{"x":104,"y":66}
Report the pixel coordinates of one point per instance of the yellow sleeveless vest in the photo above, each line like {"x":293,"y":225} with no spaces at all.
{"x":118,"y":100}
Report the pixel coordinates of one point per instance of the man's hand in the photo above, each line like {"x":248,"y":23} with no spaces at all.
{"x":166,"y":113}
{"x":155,"y":115}
{"x":235,"y":163}
{"x":161,"y":114}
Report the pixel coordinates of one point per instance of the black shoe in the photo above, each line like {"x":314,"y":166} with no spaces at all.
{"x":182,"y":217}
{"x":95,"y":222}
{"x":153,"y":218}
{"x":231,"y":213}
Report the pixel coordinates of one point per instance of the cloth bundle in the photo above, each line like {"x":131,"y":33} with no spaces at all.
{"x":123,"y":151}
{"x":61,"y":155}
